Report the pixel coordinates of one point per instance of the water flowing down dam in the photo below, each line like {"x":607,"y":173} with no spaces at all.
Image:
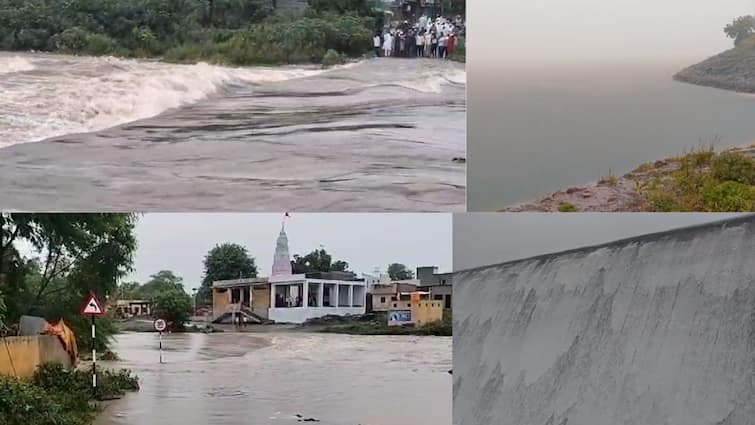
{"x":656,"y":329}
{"x":124,"y":134}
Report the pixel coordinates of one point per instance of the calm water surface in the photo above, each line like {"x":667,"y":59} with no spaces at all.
{"x":540,"y":129}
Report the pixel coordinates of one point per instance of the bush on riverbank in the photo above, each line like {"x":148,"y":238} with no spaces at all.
{"x":703,"y":181}
{"x":304,"y":40}
{"x":57,"y":396}
{"x":234,"y":32}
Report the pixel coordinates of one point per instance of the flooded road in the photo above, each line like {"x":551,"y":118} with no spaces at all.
{"x":269,"y":378}
{"x":378,"y":135}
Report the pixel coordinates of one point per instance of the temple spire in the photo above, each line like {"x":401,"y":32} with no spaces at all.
{"x":282,"y":260}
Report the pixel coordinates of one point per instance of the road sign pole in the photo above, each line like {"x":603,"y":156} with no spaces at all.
{"x":161,"y":347}
{"x":94,"y":361}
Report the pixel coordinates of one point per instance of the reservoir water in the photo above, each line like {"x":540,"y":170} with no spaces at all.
{"x":270,"y":378}
{"x":116,"y":134}
{"x":537,"y":129}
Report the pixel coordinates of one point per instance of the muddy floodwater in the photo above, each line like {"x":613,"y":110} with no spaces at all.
{"x":125,"y":135}
{"x":269,"y":378}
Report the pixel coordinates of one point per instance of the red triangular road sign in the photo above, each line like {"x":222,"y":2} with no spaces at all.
{"x":92,"y":307}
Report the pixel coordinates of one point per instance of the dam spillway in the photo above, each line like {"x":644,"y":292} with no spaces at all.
{"x":656,"y":329}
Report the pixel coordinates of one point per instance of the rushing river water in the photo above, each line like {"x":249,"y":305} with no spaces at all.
{"x":534,"y":130}
{"x":117,"y":134}
{"x":232,"y":378}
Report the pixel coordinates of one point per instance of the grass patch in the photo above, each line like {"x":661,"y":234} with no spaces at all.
{"x":703,"y":180}
{"x":567,"y":207}
{"x":610,"y":179}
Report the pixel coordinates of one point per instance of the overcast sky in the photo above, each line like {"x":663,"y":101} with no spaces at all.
{"x":576,"y":30}
{"x":179,"y":242}
{"x":489,"y":238}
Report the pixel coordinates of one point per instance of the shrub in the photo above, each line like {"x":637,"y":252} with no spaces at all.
{"x":567,"y":207}
{"x":734,"y":167}
{"x":99,"y":44}
{"x":332,"y":58}
{"x":728,"y":196}
{"x":23,"y":403}
{"x":73,"y":39}
{"x":55,"y":377}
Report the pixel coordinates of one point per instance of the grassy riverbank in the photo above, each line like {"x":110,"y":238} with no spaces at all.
{"x":377,"y":324}
{"x":242,"y":32}
{"x":699,"y":181}
{"x":57,"y":396}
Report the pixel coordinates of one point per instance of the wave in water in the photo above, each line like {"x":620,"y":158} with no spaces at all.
{"x":10,"y":65}
{"x":433,"y":81}
{"x":70,"y":95}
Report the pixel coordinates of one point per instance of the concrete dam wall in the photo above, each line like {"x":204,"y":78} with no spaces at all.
{"x":653,"y":330}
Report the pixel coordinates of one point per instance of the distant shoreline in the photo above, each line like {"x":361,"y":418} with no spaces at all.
{"x":732,"y":70}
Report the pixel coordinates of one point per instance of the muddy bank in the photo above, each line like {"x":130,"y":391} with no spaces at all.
{"x":630,"y":192}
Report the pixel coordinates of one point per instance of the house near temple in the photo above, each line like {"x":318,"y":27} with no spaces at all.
{"x":285,"y":297}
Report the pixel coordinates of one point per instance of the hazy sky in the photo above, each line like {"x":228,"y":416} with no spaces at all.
{"x":489,"y":238}
{"x":577,"y":30}
{"x":179,"y":242}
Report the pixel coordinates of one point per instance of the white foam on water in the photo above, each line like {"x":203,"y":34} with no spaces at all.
{"x":80,"y":94}
{"x":433,"y":81}
{"x":14,"y":64}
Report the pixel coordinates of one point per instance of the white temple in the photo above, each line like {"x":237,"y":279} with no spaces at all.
{"x":294,"y":298}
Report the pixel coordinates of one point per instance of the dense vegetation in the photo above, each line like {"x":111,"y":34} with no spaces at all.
{"x":57,"y":396}
{"x":702,"y":181}
{"x":228,"y":31}
{"x":66,"y":257}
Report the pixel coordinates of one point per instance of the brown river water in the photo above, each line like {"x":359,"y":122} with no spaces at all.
{"x":269,"y":378}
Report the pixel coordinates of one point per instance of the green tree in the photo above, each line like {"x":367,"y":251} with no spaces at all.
{"x":226,"y":261}
{"x":398,"y":271}
{"x":174,"y":306}
{"x":362,"y":7}
{"x":453,"y":7}
{"x":318,"y":261}
{"x":77,"y":254}
{"x":163,"y":280}
{"x":129,"y":291}
{"x":741,"y":28}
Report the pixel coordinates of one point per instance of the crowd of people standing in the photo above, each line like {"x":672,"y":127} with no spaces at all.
{"x":427,"y":38}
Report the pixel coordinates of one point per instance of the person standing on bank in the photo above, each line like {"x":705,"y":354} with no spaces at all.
{"x":387,"y":44}
{"x":420,"y":44}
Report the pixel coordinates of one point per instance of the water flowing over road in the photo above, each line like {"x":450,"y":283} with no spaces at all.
{"x":658,"y":329}
{"x":378,"y":135}
{"x":269,"y":378}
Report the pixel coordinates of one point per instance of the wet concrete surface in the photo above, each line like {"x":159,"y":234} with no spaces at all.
{"x":270,"y":378}
{"x":658,"y":329}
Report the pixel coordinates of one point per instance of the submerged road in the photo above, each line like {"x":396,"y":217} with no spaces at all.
{"x":270,"y":378}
